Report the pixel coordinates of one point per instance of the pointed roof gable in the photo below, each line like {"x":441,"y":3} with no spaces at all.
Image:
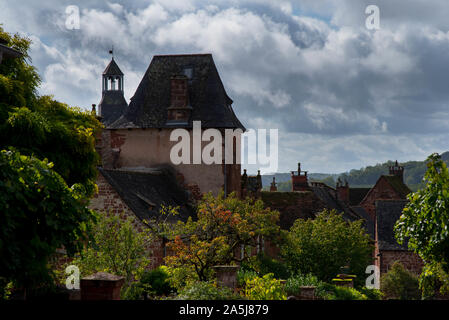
{"x":112,"y":69}
{"x":207,"y":95}
{"x":396,"y":184}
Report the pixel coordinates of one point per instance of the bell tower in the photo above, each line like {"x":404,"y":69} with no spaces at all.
{"x":113,"y":103}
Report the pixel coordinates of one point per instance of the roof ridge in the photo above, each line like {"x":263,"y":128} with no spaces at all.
{"x":182,"y":55}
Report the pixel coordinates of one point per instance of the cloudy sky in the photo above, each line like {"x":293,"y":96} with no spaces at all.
{"x":342,"y":96}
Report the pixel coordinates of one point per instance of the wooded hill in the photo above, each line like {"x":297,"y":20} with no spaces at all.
{"x":364,"y":177}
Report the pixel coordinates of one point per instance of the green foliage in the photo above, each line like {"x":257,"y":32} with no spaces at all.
{"x":332,"y":292}
{"x":245,"y":274}
{"x":203,"y":290}
{"x":323,"y":245}
{"x":42,"y":127}
{"x":5,"y":289}
{"x":38,"y":214}
{"x":117,"y":247}
{"x":265,"y":288}
{"x":399,"y":283}
{"x":155,"y":282}
{"x":294,"y":284}
{"x":368,"y":176}
{"x":182,"y":276}
{"x":264,"y":264}
{"x":433,"y":280}
{"x":425,"y":219}
{"x":222,"y":227}
{"x":371,"y":294}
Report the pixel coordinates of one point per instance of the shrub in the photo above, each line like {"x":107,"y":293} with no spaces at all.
{"x":265,"y":288}
{"x":294,"y":284}
{"x":322,"y":245}
{"x":401,"y":284}
{"x":134,"y":291}
{"x":264,"y":264}
{"x":243,"y":275}
{"x":433,"y":281}
{"x":371,"y":294}
{"x":202,"y":290}
{"x":118,"y":248}
{"x":156,"y":281}
{"x":332,"y":292}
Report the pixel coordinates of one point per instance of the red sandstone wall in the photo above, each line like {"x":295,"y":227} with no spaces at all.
{"x":410,"y":260}
{"x":108,"y":200}
{"x":381,"y":191}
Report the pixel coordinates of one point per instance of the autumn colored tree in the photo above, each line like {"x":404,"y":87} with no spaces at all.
{"x":223,"y":225}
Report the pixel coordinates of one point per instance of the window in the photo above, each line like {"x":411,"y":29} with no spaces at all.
{"x":188,"y":72}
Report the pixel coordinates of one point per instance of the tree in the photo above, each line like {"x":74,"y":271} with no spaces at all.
{"x":424,"y":223}
{"x":325,"y":244}
{"x":399,"y":283}
{"x":116,"y":247}
{"x":425,"y":219}
{"x":47,"y":175}
{"x":222,"y":227}
{"x":38,"y":214}
{"x":42,"y":127}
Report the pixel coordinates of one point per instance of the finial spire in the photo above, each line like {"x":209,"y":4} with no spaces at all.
{"x":111,"y":52}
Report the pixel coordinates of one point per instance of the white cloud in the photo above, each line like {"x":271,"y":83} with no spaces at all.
{"x":343,"y":96}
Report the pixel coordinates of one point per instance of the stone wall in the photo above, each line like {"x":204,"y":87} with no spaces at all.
{"x":151,"y":148}
{"x":107,"y":200}
{"x":410,"y":260}
{"x":381,"y":191}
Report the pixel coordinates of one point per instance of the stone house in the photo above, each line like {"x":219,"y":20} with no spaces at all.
{"x":380,"y":207}
{"x":136,"y":175}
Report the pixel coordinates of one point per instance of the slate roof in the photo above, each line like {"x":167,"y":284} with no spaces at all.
{"x":327,"y":195}
{"x":8,"y":52}
{"x":387,"y":213}
{"x":253,"y":184}
{"x":207,"y":95}
{"x":112,"y":106}
{"x":369,"y":222}
{"x":112,"y":69}
{"x":395,"y":182}
{"x":145,"y":192}
{"x":356,"y":195}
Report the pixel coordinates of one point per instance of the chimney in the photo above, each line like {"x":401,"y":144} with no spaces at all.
{"x":397,"y":170}
{"x":180,"y":109}
{"x":343,"y":191}
{"x":300,"y":181}
{"x":259,"y":181}
{"x":244,"y":184}
{"x":273,"y":187}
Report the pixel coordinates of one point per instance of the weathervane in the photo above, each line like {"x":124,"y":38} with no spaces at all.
{"x":111,"y":52}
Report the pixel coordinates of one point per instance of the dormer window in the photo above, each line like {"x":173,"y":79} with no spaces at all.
{"x":188,"y":72}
